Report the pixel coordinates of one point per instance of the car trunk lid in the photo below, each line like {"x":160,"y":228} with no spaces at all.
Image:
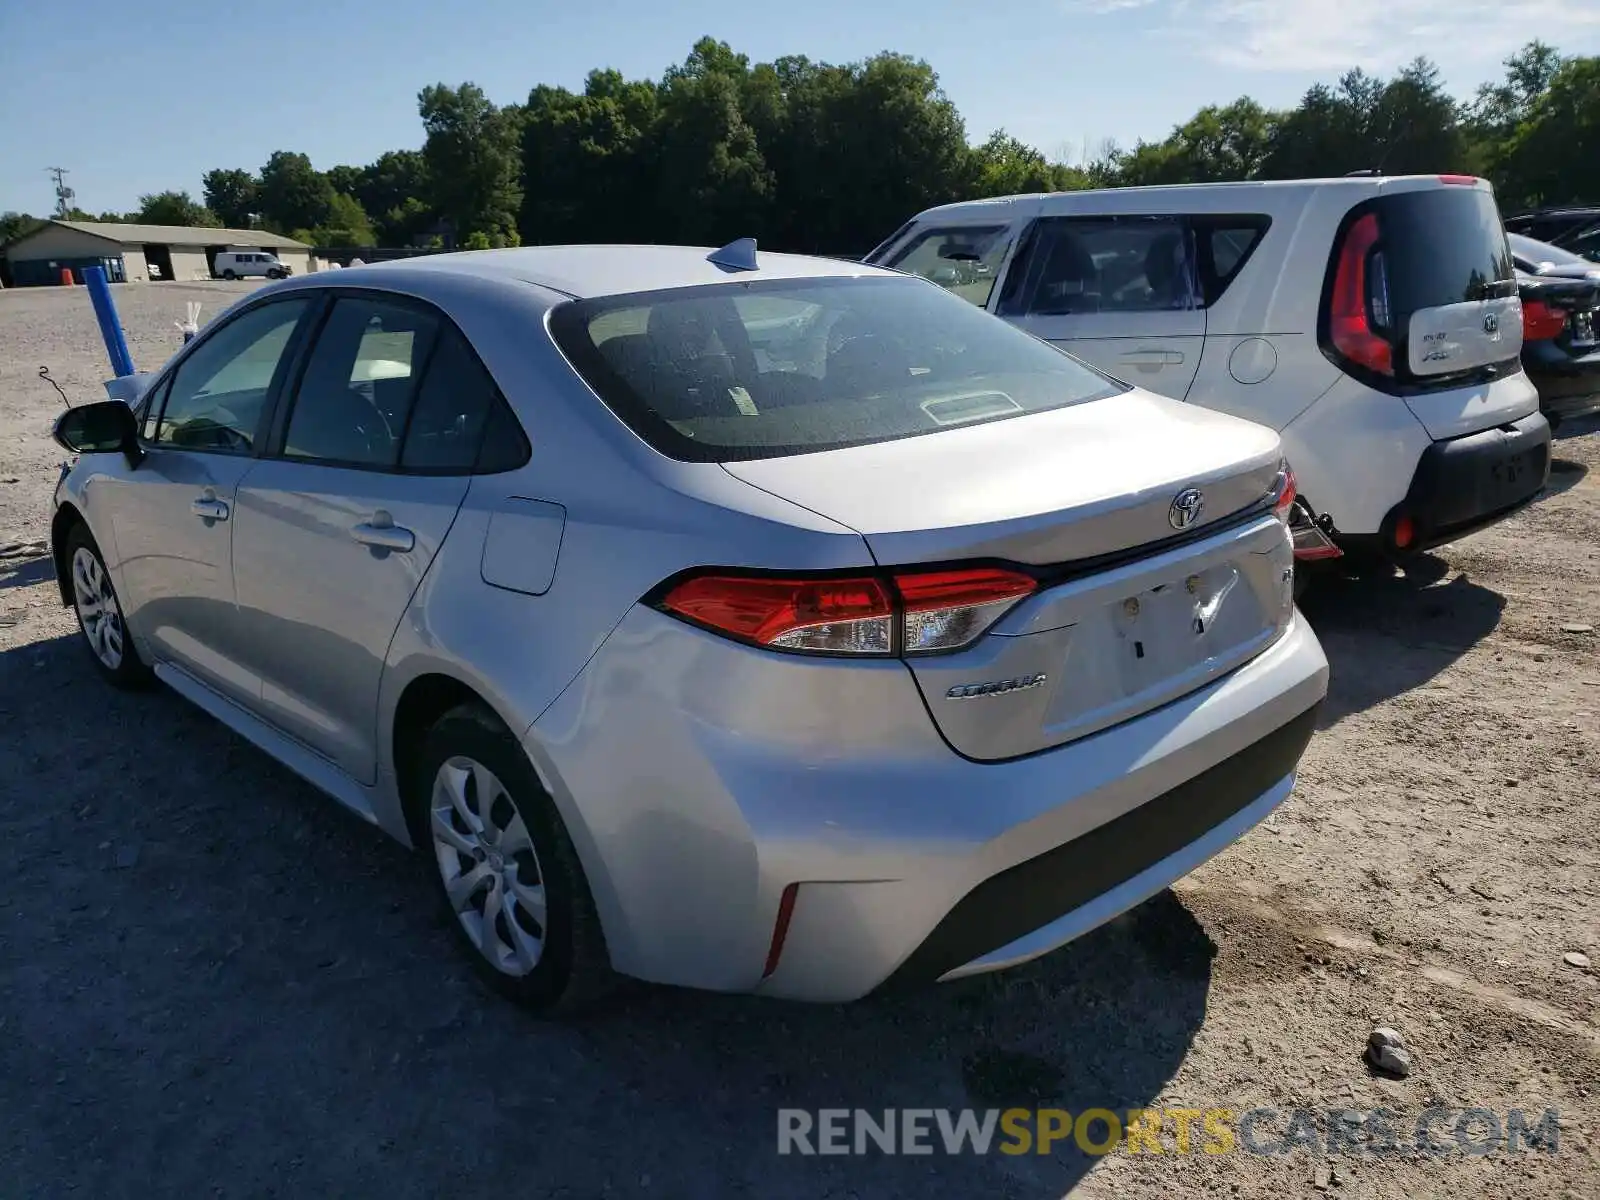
{"x":1147,"y":523}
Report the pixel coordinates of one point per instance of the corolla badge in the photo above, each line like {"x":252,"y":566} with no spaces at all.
{"x":998,"y":687}
{"x":1491,"y":323}
{"x":1185,"y":509}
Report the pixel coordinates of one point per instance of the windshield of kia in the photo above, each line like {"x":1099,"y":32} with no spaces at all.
{"x":768,"y":368}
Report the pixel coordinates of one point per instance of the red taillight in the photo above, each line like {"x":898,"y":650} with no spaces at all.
{"x":1540,"y":321}
{"x":945,"y":609}
{"x":1460,"y":180}
{"x":1349,"y":327}
{"x":842,"y":615}
{"x":912,"y":611}
{"x":1283,"y":500}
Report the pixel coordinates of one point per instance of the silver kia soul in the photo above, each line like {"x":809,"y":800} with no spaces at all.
{"x":747,"y":622}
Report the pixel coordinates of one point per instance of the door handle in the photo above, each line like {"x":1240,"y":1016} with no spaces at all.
{"x":383,"y":534}
{"x":1154,"y":358}
{"x":210,"y":508}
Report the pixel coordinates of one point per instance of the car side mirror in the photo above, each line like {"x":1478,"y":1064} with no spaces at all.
{"x":105,"y":427}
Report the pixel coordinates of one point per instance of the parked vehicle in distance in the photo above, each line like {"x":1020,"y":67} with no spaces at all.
{"x":1560,"y":226}
{"x":766,"y":624}
{"x":1374,"y":322}
{"x":244,"y":264}
{"x":1560,"y":312}
{"x":1534,"y":257}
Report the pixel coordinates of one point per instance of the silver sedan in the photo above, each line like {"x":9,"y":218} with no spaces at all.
{"x":746,"y":622}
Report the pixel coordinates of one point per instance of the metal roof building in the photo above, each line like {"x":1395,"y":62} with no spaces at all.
{"x":138,"y":252}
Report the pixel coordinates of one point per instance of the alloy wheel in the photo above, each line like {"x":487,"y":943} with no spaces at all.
{"x":97,"y":608}
{"x":488,"y":864}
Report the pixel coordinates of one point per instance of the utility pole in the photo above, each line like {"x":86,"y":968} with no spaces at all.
{"x":64,"y":194}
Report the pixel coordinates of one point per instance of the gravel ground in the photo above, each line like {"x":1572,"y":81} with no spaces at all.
{"x":213,"y":982}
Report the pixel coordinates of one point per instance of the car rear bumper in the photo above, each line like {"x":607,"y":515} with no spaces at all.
{"x":697,"y":800}
{"x":1465,"y":484}
{"x":1059,"y":895}
{"x":1568,"y":386}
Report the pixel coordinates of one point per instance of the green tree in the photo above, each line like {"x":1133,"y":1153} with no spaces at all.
{"x":14,"y":225}
{"x":347,"y":225}
{"x":473,"y":160}
{"x":713,"y":185}
{"x":174,"y":208}
{"x":1417,"y":126}
{"x":1553,"y":157}
{"x":392,"y":191}
{"x":232,"y":194}
{"x":1004,"y":166}
{"x":1215,"y":145}
{"x":345,"y":179}
{"x":1501,"y":107}
{"x":293,"y":194}
{"x":587,"y":159}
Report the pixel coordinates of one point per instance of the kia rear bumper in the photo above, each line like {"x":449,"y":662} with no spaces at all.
{"x":1465,"y":484}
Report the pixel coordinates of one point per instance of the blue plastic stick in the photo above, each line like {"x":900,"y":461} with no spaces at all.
{"x":105,"y":311}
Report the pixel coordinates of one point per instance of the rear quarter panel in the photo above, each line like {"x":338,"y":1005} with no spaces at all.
{"x":632,"y":519}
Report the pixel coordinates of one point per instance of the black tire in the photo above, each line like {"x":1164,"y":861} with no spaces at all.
{"x":230,"y":274}
{"x":274,"y":274}
{"x":130,"y":671}
{"x":573,"y":971}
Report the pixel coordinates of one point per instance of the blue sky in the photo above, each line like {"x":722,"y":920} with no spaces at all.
{"x":137,"y":98}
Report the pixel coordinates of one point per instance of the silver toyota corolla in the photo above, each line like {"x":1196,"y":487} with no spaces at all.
{"x":747,"y":622}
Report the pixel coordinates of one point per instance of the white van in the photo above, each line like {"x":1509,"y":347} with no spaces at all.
{"x":1374,"y":322}
{"x":240,"y":264}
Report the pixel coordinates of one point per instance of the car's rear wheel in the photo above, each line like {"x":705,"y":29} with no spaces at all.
{"x":505,"y":867}
{"x":99,"y":612}
{"x":230,"y":274}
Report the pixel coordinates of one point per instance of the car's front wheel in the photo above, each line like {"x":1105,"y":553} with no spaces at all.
{"x":505,"y":867}
{"x":99,"y":612}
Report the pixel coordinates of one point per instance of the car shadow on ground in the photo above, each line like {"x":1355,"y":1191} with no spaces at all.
{"x":1564,"y":474}
{"x":213,"y":979}
{"x":25,"y":571}
{"x":1386,"y":633}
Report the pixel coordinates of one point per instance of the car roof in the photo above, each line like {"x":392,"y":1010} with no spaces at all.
{"x":610,"y":270}
{"x":1207,"y":197}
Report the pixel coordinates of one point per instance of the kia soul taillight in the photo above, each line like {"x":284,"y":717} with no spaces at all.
{"x":903,"y":612}
{"x":1358,"y":307}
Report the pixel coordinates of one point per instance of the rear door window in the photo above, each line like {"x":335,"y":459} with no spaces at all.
{"x":355,"y":397}
{"x":1222,"y":247}
{"x":965,"y":259}
{"x":1085,"y":265}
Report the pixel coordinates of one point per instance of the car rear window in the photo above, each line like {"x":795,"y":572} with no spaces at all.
{"x":768,"y":368}
{"x":1442,"y":246}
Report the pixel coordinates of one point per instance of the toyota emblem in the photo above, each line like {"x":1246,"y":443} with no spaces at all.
{"x":1185,"y":509}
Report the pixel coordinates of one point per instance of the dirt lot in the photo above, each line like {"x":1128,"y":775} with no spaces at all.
{"x":214,"y":982}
